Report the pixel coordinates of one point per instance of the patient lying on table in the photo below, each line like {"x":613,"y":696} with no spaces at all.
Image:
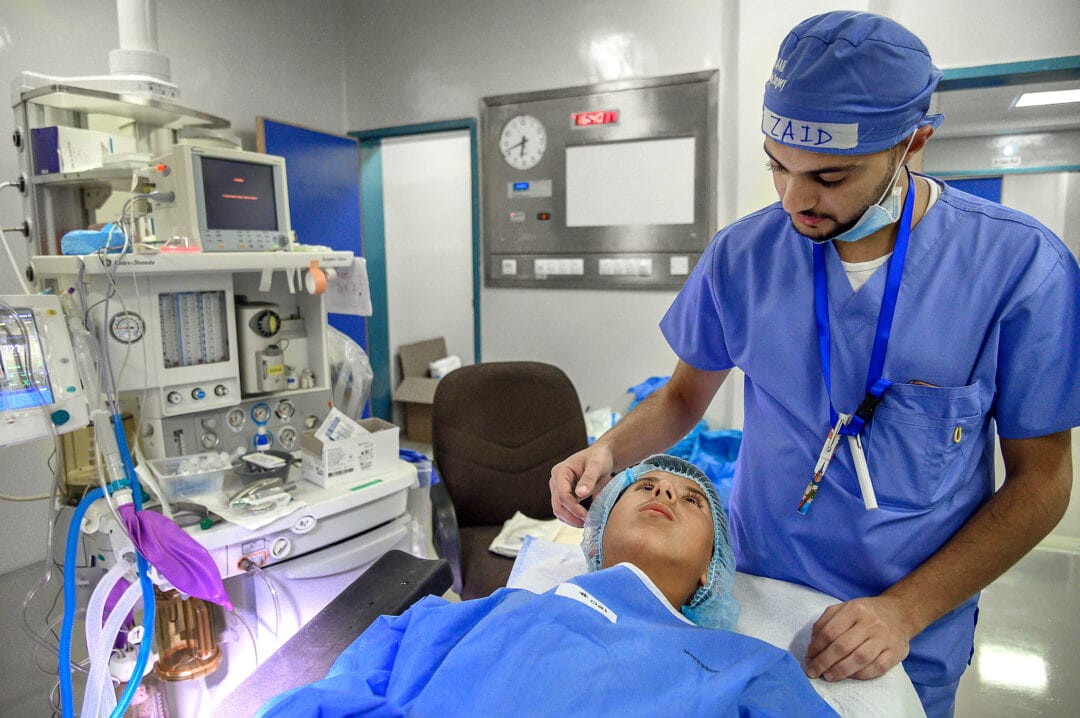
{"x":656,"y":539}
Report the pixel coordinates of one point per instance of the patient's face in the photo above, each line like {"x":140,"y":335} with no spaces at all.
{"x":661,"y":516}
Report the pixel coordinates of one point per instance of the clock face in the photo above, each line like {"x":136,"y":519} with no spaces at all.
{"x":523,"y":142}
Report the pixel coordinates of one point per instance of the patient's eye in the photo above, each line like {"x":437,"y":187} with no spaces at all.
{"x":645,"y":486}
{"x":695,"y":499}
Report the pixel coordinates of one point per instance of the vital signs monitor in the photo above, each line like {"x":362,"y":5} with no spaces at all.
{"x":224,"y":200}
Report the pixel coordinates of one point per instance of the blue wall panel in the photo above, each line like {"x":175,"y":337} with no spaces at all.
{"x":324,"y":195}
{"x":985,"y":187}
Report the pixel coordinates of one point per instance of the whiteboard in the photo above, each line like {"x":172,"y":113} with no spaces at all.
{"x":630,"y":183}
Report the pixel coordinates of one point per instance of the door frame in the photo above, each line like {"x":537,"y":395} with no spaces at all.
{"x":373,"y":228}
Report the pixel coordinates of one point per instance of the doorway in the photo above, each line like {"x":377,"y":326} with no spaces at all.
{"x":420,"y":209}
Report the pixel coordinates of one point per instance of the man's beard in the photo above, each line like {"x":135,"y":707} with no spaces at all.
{"x":842,"y":227}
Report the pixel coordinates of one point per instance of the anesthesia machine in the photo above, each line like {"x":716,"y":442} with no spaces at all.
{"x":192,"y":344}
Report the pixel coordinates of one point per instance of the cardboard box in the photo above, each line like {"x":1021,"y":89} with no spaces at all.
{"x":347,"y":460}
{"x":71,"y":149}
{"x":417,"y":389}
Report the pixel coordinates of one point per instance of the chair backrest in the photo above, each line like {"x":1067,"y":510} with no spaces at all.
{"x":497,"y":429}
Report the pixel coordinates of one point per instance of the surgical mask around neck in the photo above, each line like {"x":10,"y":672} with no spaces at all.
{"x":881,"y":214}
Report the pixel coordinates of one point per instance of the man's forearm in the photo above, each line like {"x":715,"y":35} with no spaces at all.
{"x":662,"y":418}
{"x":653,"y":426}
{"x":1026,"y":508}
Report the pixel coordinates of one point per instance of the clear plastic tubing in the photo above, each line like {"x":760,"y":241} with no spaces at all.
{"x":95,"y":611}
{"x":99,"y":684}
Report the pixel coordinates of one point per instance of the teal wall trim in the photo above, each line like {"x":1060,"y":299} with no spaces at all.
{"x":1011,"y":73}
{"x":423,"y":128}
{"x":476,"y":260}
{"x":371,"y":200}
{"x":371,"y":214}
{"x":946,"y":174}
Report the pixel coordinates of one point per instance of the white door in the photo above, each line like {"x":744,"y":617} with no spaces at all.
{"x":427,"y":212}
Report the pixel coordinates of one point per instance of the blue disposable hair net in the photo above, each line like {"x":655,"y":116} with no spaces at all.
{"x":849,"y":83}
{"x":712,"y":605}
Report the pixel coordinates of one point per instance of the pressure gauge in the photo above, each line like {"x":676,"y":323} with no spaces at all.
{"x":285,"y":410}
{"x":287,"y":436}
{"x":266,"y":323}
{"x":260,"y":413}
{"x":523,"y":142}
{"x":236,"y":419}
{"x":127,"y":327}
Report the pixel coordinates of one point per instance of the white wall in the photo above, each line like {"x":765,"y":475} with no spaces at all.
{"x":1043,"y":195}
{"x":236,"y":60}
{"x":960,"y":33}
{"x":427,"y":60}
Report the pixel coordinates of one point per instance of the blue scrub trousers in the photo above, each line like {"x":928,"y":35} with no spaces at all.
{"x":938,"y":701}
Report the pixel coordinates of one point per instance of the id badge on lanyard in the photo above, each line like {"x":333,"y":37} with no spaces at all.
{"x":852,"y":425}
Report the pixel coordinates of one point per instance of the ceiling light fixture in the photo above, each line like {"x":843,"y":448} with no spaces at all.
{"x":1054,"y":97}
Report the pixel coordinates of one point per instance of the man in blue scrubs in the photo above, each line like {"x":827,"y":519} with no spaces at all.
{"x":888,"y":325}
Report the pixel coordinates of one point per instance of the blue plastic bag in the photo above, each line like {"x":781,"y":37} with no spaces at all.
{"x":88,"y":241}
{"x":712,"y":451}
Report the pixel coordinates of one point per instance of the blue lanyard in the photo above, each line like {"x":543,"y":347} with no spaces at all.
{"x":875,"y":383}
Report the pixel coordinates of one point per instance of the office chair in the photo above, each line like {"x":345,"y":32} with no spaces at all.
{"x":497,"y":429}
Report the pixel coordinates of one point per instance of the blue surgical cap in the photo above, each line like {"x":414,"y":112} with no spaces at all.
{"x":712,"y":605}
{"x":849,"y":83}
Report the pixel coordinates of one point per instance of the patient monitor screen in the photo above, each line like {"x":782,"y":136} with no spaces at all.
{"x":24,"y":380}
{"x":238,"y":195}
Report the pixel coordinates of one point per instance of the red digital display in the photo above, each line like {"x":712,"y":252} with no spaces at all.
{"x":595,"y":117}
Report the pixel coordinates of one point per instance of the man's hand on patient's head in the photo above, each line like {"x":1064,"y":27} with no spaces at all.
{"x":863,"y":639}
{"x":578,"y":477}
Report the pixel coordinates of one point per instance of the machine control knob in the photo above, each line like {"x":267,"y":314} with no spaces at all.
{"x":303,"y":524}
{"x":281,"y":547}
{"x":60,"y":417}
{"x":210,"y":440}
{"x":197,"y":394}
{"x":221,"y":390}
{"x":174,"y":397}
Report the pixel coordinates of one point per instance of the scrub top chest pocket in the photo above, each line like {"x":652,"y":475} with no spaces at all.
{"x":921,"y":441}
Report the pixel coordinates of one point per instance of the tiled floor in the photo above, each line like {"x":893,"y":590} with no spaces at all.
{"x":1024,"y":665}
{"x":1026,"y":643}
